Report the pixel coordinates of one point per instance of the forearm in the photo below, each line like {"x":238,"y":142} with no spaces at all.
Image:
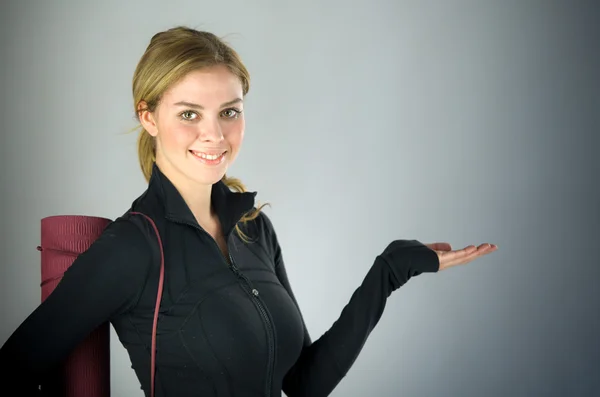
{"x":26,"y":369}
{"x":324,"y":363}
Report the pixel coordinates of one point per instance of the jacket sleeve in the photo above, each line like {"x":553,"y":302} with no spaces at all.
{"x":101,"y":282}
{"x":322,"y":364}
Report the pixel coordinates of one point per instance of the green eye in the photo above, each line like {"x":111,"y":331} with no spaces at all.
{"x":188,"y":115}
{"x":231,"y":113}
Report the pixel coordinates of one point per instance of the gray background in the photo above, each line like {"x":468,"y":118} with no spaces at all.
{"x":456,"y":121}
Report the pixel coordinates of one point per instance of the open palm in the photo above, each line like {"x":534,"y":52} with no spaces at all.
{"x":449,"y":258}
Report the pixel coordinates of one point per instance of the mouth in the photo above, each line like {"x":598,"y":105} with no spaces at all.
{"x":213,"y":158}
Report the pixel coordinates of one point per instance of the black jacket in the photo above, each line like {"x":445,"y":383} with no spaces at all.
{"x":222,"y":331}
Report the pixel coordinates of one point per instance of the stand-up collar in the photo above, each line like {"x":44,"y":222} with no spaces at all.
{"x":230,"y":206}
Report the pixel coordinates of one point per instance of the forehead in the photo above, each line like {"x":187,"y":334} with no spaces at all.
{"x":215,"y":84}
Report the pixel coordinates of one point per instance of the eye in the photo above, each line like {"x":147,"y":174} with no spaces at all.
{"x":231,"y":113}
{"x":188,"y":115}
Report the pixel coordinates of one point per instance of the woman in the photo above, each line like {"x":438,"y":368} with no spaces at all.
{"x":229,"y":324}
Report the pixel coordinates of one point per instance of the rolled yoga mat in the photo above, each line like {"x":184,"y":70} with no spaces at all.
{"x":86,"y":371}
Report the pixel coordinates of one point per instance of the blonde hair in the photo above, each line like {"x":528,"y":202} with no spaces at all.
{"x":169,"y":57}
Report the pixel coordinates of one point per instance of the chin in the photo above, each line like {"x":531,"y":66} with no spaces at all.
{"x":205,"y":179}
{"x":201,"y":173}
{"x":207,"y":176}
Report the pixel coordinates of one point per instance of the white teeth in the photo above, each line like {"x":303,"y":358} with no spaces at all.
{"x":208,"y":156}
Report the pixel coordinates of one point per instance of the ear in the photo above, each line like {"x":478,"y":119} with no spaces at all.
{"x":147,"y":118}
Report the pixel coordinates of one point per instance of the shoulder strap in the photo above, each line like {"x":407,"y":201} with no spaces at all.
{"x":158,"y":299}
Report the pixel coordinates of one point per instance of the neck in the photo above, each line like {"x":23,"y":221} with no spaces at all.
{"x":196,"y":196}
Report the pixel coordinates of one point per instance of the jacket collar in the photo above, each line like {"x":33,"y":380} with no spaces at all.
{"x":230,"y":206}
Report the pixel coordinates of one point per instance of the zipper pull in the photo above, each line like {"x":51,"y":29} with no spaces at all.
{"x":255,"y":292}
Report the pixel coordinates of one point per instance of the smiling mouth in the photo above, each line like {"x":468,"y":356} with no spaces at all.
{"x":209,"y":158}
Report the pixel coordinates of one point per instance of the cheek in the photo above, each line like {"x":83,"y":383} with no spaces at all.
{"x":235,"y":134}
{"x":177,"y":135}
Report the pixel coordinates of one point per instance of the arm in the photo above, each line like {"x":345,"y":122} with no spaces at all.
{"x":324,"y":363}
{"x":101,"y":282}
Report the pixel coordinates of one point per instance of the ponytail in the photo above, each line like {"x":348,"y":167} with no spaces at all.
{"x":146,"y":153}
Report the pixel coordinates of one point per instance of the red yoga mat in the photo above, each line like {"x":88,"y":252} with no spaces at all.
{"x":87,"y":369}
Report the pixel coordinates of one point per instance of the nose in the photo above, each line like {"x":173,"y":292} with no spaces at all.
{"x":210,"y":131}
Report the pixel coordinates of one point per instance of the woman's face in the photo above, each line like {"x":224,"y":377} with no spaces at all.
{"x":198,"y":125}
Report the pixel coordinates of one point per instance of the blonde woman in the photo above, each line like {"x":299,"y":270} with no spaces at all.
{"x":228,"y":323}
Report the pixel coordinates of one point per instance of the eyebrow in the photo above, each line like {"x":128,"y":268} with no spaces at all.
{"x":196,"y":106}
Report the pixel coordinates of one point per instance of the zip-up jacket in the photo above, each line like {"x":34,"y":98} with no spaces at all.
{"x":226,"y":328}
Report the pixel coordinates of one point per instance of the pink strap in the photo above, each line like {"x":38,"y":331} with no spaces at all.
{"x":158,"y":299}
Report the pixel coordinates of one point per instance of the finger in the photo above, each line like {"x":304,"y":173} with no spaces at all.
{"x":489,"y":250}
{"x":452,"y":256}
{"x":482,"y":250}
{"x":464,"y":256}
{"x":461,"y":257}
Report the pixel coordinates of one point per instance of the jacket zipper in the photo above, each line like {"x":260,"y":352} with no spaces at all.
{"x":268,"y":325}
{"x":253,"y":292}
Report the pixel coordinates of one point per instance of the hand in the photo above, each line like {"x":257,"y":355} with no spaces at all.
{"x":449,"y":258}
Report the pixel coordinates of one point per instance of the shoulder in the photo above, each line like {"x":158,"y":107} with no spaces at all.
{"x":122,"y":239}
{"x":146,"y":215}
{"x":259,"y":228}
{"x":125,"y":229}
{"x":265,"y":223}
{"x":115,"y":266}
{"x":120,"y":258}
{"x":260,"y":231}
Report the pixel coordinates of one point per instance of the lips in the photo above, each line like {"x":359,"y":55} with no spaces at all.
{"x":209,"y":158}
